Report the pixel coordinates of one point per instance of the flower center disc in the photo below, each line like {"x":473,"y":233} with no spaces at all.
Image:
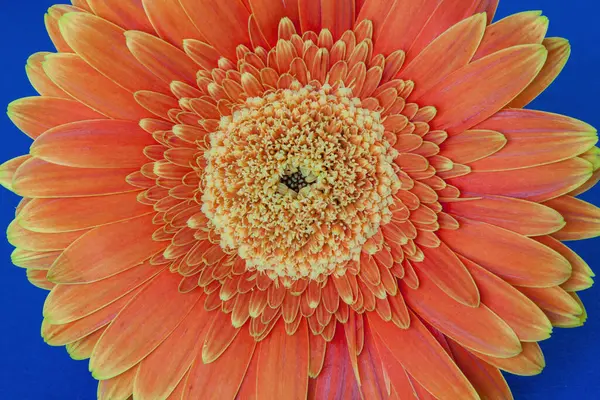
{"x":298,"y":180}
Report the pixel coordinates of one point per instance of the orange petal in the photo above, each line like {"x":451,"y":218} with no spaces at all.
{"x":151,"y":317}
{"x":100,"y":43}
{"x":269,"y":13}
{"x":423,"y":357}
{"x":478,"y":90}
{"x":451,"y":51}
{"x":224,"y":24}
{"x":521,"y":314}
{"x":51,"y":21}
{"x":59,"y":335}
{"x":219,"y":336}
{"x":530,"y":362}
{"x":170,"y":21}
{"x":581,"y":278}
{"x":106,"y":251}
{"x":583,"y":218}
{"x":8,"y":170}
{"x":489,"y":335}
{"x":119,"y":387}
{"x":85,"y":84}
{"x":39,"y":179}
{"x":537,"y":184}
{"x":38,"y":78}
{"x":528,"y":27}
{"x":35,"y":115}
{"x":35,"y":241}
{"x":126,"y":14}
{"x":164,"y":60}
{"x":94,"y":144}
{"x":38,"y":278}
{"x":47,"y":215}
{"x":222,"y":378}
{"x":283,"y":364}
{"x":487,"y":380}
{"x":508,"y":254}
{"x":166,"y":366}
{"x":67,"y":303}
{"x":398,"y":377}
{"x":472,"y":145}
{"x":521,"y":216}
{"x":446,"y":271}
{"x":535,"y":138}
{"x":554,"y":300}
{"x":402,"y":25}
{"x":559,"y":51}
{"x":82,"y":349}
{"x":447,"y":14}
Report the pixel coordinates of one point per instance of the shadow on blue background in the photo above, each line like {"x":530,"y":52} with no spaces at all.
{"x":29,"y":369}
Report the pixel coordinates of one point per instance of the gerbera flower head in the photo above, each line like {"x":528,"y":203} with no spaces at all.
{"x":280,"y":199}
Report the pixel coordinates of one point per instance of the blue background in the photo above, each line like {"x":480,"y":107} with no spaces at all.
{"x":29,"y":369}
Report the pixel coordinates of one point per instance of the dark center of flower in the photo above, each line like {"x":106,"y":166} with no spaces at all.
{"x":295,"y":181}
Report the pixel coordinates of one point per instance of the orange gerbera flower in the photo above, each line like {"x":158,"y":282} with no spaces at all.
{"x":279,"y":199}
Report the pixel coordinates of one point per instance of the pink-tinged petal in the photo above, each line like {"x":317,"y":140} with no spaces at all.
{"x":149,"y":318}
{"x":508,"y":254}
{"x":170,"y":21}
{"x":528,"y":27}
{"x":94,"y":144}
{"x":100,"y":43}
{"x":535,"y":138}
{"x":521,"y":216}
{"x":107,"y":251}
{"x":39,"y":179}
{"x":489,"y":7}
{"x":337,"y":377}
{"x":475,"y":92}
{"x":309,"y":15}
{"x":583,"y":218}
{"x":423,"y":357}
{"x":451,"y":51}
{"x":537,"y":184}
{"x":224,"y":24}
{"x":338,"y":16}
{"x":83,"y":83}
{"x":47,"y":215}
{"x":35,"y":115}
